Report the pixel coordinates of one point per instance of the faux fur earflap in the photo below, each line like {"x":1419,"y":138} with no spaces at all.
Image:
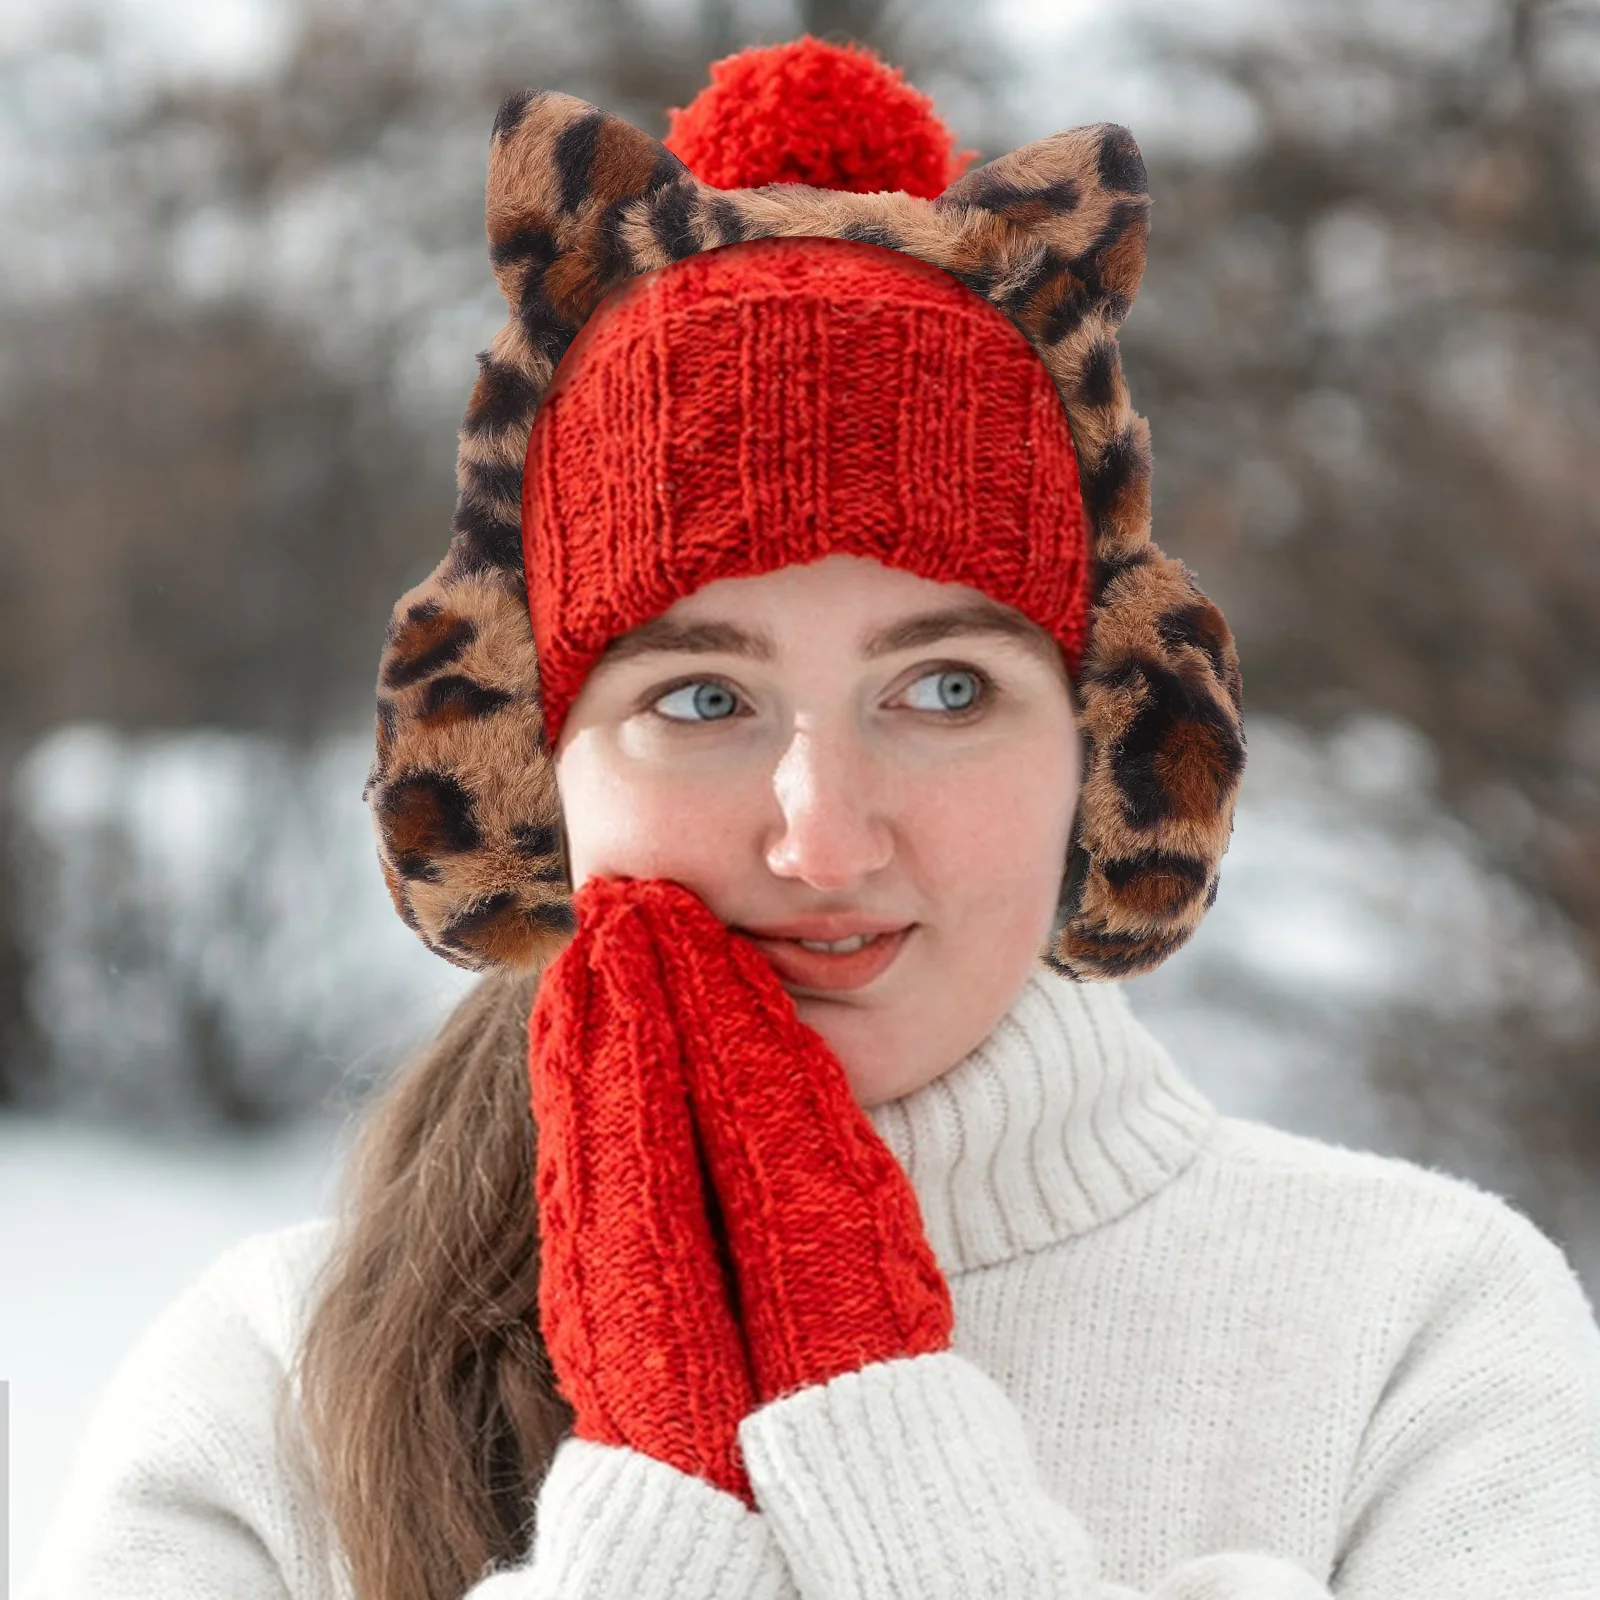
{"x":1053,"y":234}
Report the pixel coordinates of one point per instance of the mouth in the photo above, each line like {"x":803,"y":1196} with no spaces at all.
{"x":844,"y":964}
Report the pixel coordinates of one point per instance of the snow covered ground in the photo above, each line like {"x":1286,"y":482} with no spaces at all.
{"x":98,"y":1231}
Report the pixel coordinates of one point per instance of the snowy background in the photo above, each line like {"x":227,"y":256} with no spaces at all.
{"x":211,"y":972}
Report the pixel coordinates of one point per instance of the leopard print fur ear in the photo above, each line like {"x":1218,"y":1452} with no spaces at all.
{"x":462,"y":788}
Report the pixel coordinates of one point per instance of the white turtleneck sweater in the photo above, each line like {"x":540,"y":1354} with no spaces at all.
{"x":1195,"y":1358}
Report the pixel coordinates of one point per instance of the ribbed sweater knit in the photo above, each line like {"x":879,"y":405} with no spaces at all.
{"x":1195,"y":1358}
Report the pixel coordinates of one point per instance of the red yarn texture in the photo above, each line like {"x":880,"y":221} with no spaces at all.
{"x":831,"y":115}
{"x":777,"y":401}
{"x":831,"y":1261}
{"x":634,"y":1300}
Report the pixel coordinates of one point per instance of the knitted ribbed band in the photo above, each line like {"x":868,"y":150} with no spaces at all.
{"x":774,"y":402}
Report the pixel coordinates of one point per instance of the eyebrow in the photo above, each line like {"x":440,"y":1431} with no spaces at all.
{"x":662,"y":634}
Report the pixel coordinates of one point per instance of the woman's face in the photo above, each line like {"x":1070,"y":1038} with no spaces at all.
{"x":832,"y":749}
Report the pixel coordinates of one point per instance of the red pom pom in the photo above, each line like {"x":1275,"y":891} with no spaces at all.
{"x":833,"y":116}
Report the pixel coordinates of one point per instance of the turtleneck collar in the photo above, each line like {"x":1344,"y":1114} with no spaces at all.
{"x":1067,"y":1115}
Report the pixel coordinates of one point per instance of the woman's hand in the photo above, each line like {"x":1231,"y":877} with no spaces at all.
{"x":633,"y":1296}
{"x":833,"y":1266}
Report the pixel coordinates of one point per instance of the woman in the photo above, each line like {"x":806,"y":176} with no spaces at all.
{"x":861,"y":1251}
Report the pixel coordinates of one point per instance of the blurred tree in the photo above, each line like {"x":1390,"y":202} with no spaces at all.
{"x":208,"y":521}
{"x":1369,"y":345}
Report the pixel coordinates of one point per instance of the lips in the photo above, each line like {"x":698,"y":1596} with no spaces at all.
{"x":820,"y":969}
{"x":827,"y":929}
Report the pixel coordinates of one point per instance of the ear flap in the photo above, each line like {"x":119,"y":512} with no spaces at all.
{"x":1159,"y":688}
{"x":1159,"y":700}
{"x":462,"y":788}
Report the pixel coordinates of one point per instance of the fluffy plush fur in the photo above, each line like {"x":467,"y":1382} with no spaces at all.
{"x":1053,"y":234}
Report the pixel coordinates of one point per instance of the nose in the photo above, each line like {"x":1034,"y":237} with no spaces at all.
{"x":834,"y":832}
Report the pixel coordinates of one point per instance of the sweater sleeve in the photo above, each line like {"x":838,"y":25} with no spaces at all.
{"x":613,"y":1521}
{"x":1478,"y":1476}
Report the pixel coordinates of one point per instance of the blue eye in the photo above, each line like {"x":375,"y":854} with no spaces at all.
{"x":957,"y":689}
{"x":707,"y":701}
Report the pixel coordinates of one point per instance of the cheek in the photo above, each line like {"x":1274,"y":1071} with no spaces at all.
{"x":623,"y":822}
{"x":995,"y":834}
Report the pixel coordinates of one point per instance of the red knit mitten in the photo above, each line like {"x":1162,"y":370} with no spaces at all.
{"x":833,"y":1265}
{"x":634,"y":1299}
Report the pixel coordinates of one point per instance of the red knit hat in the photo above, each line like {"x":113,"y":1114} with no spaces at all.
{"x":859,"y":350}
{"x":770,"y":403}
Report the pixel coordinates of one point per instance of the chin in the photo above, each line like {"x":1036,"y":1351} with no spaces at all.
{"x":865,"y":1046}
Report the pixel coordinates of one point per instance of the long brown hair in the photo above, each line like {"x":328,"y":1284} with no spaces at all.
{"x":427,"y":1391}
